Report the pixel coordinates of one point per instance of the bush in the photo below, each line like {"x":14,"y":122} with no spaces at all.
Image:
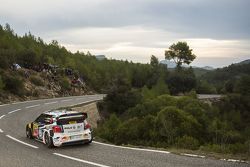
{"x":14,"y":85}
{"x":205,"y":88}
{"x":1,"y":83}
{"x":4,"y":64}
{"x":36,"y":80}
{"x":181,"y":81}
{"x":109,"y":129}
{"x":169,"y":122}
{"x":215,"y":148}
{"x":238,"y":148}
{"x":187,"y":142}
{"x":65,"y":84}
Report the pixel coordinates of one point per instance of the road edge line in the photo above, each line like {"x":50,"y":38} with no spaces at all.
{"x":21,"y":141}
{"x":80,"y":160}
{"x":133,"y":148}
{"x":33,"y":106}
{"x":193,"y":155}
{"x":2,"y":116}
{"x":14,"y":111}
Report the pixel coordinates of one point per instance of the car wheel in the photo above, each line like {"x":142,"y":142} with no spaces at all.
{"x":48,"y":141}
{"x":28,"y":133}
{"x":90,"y":140}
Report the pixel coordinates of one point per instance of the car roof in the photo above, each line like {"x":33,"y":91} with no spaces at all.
{"x":58,"y":113}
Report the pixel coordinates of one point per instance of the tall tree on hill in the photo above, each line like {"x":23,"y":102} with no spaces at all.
{"x":180,"y":53}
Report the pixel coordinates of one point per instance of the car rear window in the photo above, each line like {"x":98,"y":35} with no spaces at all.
{"x":71,"y":119}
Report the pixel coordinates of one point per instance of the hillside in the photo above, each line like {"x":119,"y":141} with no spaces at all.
{"x":198,"y":71}
{"x":26,"y":84}
{"x":33,"y":55}
{"x":227,"y":76}
{"x":139,"y":108}
{"x":20,"y":55}
{"x":244,"y":62}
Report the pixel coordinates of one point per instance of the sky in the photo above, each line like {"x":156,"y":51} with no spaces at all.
{"x":218,"y":31}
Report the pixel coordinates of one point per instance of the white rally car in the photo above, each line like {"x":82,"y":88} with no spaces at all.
{"x":60,"y":127}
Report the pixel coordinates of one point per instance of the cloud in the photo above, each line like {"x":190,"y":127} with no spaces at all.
{"x":192,"y":18}
{"x":135,"y":29}
{"x":138,"y":44}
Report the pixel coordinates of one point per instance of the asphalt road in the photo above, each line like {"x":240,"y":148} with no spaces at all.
{"x":18,"y":151}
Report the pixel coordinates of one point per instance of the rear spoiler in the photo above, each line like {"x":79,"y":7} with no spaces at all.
{"x":85,"y":115}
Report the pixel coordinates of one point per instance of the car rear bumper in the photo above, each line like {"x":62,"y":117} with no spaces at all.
{"x":60,"y":140}
{"x":76,"y":142}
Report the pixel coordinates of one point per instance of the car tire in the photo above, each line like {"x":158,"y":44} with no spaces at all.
{"x":48,"y":140}
{"x":90,"y":140}
{"x":28,"y":132}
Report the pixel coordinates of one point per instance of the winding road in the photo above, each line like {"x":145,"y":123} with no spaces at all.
{"x":18,"y":151}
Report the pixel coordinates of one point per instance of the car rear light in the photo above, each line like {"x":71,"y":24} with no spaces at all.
{"x":87,"y":126}
{"x":57,"y":129}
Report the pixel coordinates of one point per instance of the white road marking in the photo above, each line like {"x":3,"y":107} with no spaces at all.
{"x":1,"y":131}
{"x":234,"y":160}
{"x":79,"y":98}
{"x":21,"y":141}
{"x":33,"y":106}
{"x":131,"y":148}
{"x":2,"y":116}
{"x":34,"y":100}
{"x":20,"y":102}
{"x":14,"y":111}
{"x":51,"y":102}
{"x":193,"y":155}
{"x":66,"y":100}
{"x":80,"y":160}
{"x":4,"y":105}
{"x":83,"y":102}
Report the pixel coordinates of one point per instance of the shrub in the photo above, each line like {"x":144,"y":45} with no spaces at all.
{"x":36,"y":80}
{"x":238,"y":148}
{"x":1,"y":83}
{"x":174,"y":123}
{"x":35,"y":93}
{"x":205,"y":88}
{"x":64,"y":83}
{"x":215,"y":148}
{"x":4,"y":64}
{"x":187,"y":142}
{"x":14,"y":85}
{"x":247,"y":145}
{"x":169,"y":122}
{"x":109,"y":129}
{"x":181,"y":81}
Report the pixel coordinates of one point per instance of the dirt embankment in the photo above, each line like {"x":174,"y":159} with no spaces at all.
{"x":92,"y":111}
{"x":39,"y":85}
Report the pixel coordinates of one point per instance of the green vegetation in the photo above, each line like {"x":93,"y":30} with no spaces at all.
{"x":184,"y":122}
{"x":140,"y":108}
{"x":1,"y":83}
{"x":180,"y":53}
{"x":65,"y":83}
{"x":14,"y":84}
{"x":36,"y":80}
{"x":226,"y":80}
{"x":204,"y":87}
